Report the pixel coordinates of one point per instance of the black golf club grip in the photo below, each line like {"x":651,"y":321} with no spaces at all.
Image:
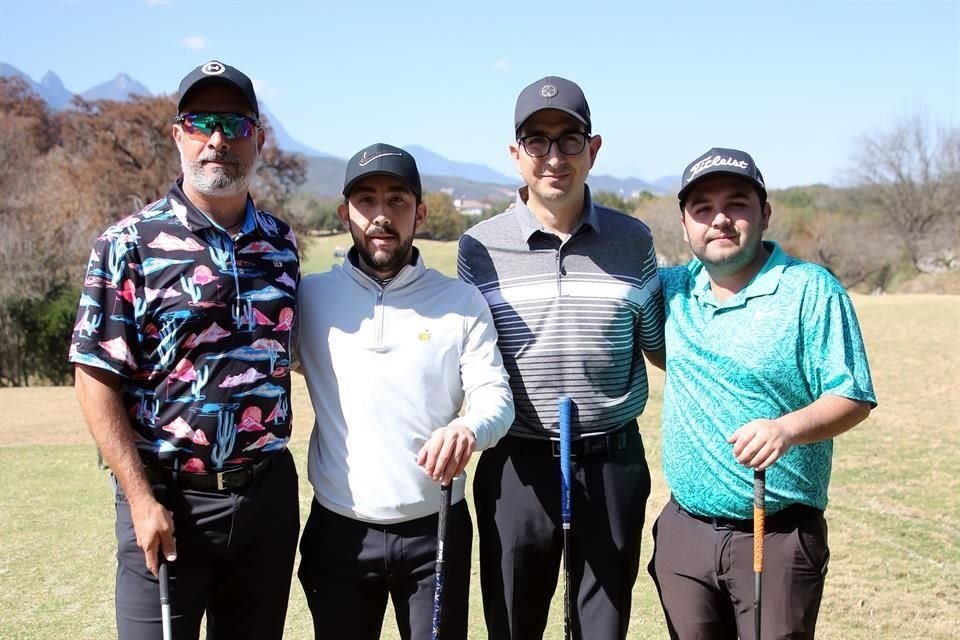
{"x":438,"y":576}
{"x":164,"y":575}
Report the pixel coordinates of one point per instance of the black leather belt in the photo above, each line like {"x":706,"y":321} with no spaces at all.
{"x":593,"y":445}
{"x":784,"y":520}
{"x":223,"y":480}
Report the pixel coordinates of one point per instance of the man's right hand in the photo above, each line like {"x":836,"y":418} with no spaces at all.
{"x":153,"y":525}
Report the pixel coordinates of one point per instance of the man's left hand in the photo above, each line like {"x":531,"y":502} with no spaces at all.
{"x":446,"y":453}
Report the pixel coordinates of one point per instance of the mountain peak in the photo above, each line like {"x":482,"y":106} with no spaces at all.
{"x":52,"y":81}
{"x":121,"y":87}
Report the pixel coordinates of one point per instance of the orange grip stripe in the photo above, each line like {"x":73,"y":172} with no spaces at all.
{"x":757,"y":540}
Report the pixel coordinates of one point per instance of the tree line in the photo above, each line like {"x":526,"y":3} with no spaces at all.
{"x":66,"y":175}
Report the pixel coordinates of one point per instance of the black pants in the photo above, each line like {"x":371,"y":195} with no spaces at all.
{"x":517,"y":494}
{"x":235,"y":554}
{"x":704,"y":574}
{"x":349,"y":568}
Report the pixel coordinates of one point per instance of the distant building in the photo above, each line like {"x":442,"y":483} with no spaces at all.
{"x":470,"y":207}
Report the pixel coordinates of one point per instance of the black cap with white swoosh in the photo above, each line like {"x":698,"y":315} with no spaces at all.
{"x":385,"y":160}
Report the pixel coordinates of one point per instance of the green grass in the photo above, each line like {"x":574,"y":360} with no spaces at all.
{"x":894,"y":513}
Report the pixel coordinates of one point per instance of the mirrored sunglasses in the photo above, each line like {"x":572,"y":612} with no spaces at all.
{"x":233,"y":125}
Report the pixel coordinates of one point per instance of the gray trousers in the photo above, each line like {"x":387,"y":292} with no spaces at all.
{"x":704,"y":574}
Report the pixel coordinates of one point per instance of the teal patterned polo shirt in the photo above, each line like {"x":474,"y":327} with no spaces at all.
{"x":789,"y":337}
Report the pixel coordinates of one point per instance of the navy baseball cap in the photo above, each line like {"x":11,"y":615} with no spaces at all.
{"x":382,"y":159}
{"x":551,"y":92}
{"x":721,"y":161}
{"x":216,"y":72}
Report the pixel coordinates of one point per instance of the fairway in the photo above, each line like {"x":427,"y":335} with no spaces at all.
{"x":894,"y":512}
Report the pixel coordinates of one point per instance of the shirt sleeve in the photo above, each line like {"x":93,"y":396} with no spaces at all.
{"x":834,"y":357}
{"x":650,"y":324}
{"x":489,"y":408}
{"x":465,"y":259}
{"x":106,"y":334}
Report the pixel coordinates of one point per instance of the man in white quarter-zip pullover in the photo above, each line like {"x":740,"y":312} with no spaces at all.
{"x":391,"y":351}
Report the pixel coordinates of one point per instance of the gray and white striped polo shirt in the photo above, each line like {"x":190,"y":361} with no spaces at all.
{"x":572,"y":316}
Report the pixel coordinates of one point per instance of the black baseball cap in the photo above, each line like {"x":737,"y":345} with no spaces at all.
{"x":721,"y":161}
{"x":382,"y":159}
{"x":551,"y":92}
{"x":217,"y":72}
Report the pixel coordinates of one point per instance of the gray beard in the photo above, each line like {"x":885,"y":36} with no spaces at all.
{"x":219,"y":184}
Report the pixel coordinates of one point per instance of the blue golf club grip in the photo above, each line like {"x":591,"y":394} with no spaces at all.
{"x":564,"y":406}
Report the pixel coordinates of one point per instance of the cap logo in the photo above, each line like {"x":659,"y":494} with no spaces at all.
{"x":213,"y":68}
{"x":548,"y":91}
{"x":364,"y":160}
{"x":717,"y":161}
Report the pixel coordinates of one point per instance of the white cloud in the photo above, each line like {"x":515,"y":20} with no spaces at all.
{"x":194,"y":42}
{"x":501,"y":64}
{"x":159,"y":3}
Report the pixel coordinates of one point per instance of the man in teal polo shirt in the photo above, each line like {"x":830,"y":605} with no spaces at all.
{"x":765,"y":366}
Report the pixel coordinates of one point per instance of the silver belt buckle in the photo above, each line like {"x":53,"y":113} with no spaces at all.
{"x":220,"y":485}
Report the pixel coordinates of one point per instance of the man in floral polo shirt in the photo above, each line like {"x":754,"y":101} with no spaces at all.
{"x":181,"y":349}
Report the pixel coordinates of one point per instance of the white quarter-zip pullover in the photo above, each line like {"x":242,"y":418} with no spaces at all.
{"x":385,"y":367}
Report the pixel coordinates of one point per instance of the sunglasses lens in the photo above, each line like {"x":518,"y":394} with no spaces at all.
{"x":236,"y":126}
{"x":233,"y":125}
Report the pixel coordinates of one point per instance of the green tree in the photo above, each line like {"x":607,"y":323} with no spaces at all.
{"x":444,"y":222}
{"x":612,"y":200}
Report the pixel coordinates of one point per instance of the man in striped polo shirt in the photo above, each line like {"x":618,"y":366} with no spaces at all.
{"x":765,"y":365}
{"x":576,"y":301}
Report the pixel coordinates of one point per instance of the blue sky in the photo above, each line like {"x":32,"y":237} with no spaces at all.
{"x":794,"y":83}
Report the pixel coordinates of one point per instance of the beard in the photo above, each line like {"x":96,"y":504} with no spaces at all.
{"x":217,"y":181}
{"x":388,"y":261}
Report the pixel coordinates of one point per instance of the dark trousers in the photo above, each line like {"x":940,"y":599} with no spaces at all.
{"x":348,"y":569}
{"x":235,"y":552}
{"x":704,"y":574}
{"x":517,"y":495}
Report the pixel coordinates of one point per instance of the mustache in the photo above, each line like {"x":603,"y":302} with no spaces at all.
{"x":224,"y":157}
{"x":380,"y":231}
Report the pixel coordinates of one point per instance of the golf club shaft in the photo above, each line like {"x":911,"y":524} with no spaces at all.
{"x":438,"y":576}
{"x":165,"y":600}
{"x":564,"y":404}
{"x":759,"y":489}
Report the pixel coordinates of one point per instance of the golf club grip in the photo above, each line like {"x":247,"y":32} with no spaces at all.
{"x":563,"y":404}
{"x":759,"y":489}
{"x":164,"y":575}
{"x":438,"y":575}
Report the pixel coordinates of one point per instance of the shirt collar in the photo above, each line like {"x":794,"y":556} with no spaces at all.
{"x":530,"y":225}
{"x":194,"y":219}
{"x":764,"y":283}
